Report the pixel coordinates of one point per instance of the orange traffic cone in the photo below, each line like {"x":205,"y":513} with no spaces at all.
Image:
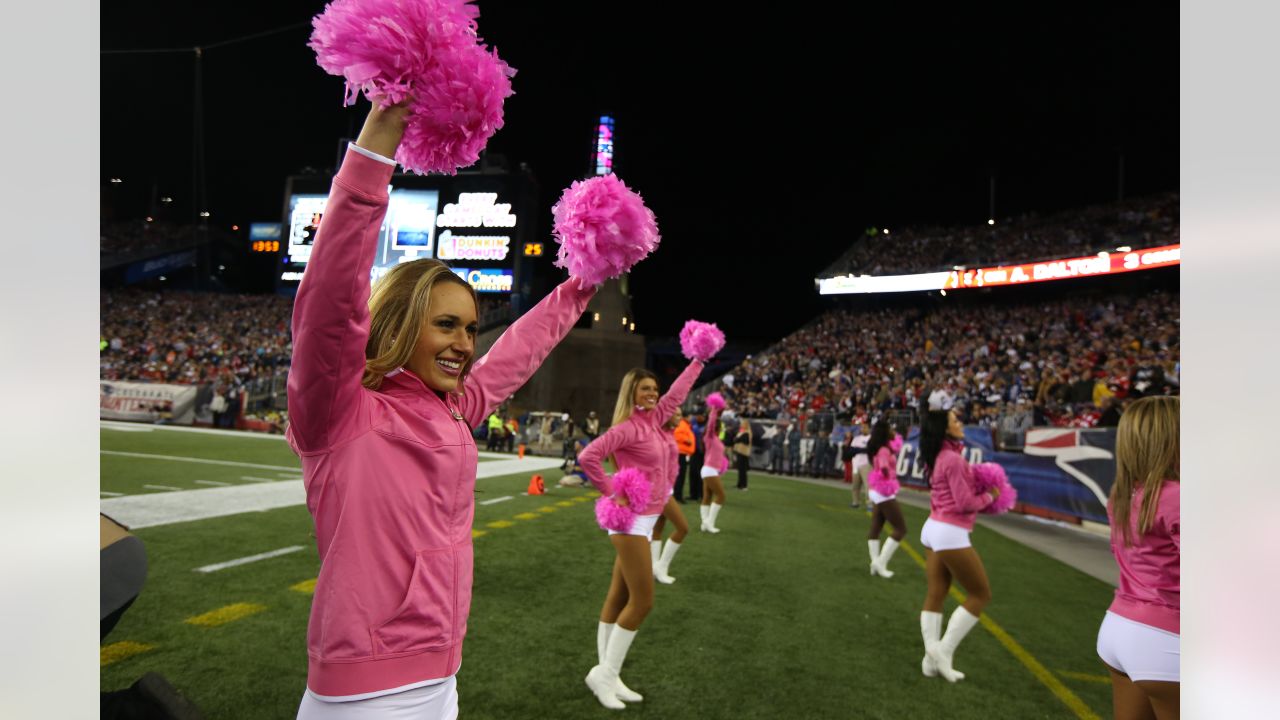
{"x":520,"y":451}
{"x":536,"y":486}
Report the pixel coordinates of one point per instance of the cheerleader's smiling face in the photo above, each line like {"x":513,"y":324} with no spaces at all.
{"x":646,"y":395}
{"x":448,"y":340}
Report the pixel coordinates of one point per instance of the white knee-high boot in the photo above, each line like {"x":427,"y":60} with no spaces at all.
{"x":668,"y":554}
{"x":623,"y":692}
{"x":873,"y":549}
{"x":704,"y":510}
{"x":886,"y":553}
{"x":605,"y":677}
{"x":931,"y":632}
{"x":943,"y":651}
{"x":655,"y":549}
{"x":711,"y":517}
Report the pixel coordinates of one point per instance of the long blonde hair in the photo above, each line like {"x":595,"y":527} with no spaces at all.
{"x":627,"y":393}
{"x":1147,"y":454}
{"x":398,"y":307}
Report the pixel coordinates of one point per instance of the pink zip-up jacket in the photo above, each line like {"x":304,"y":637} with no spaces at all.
{"x":390,"y":474}
{"x":952,"y":496}
{"x":1150,"y":568}
{"x":641,"y":442}
{"x":713,"y":447}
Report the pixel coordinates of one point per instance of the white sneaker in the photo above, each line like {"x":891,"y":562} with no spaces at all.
{"x":603,"y":683}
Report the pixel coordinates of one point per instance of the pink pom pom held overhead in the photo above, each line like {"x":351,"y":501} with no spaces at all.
{"x":987,"y":476}
{"x":715,"y":400}
{"x":603,"y":228}
{"x":427,"y":50}
{"x":700,"y":341}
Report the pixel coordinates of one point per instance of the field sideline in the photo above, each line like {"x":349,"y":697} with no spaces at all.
{"x":776,"y":615}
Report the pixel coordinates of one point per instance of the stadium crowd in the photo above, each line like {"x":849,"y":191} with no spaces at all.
{"x":1141,"y":222}
{"x":1068,"y":362}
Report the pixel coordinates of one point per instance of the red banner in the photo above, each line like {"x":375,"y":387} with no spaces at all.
{"x":1066,"y":269}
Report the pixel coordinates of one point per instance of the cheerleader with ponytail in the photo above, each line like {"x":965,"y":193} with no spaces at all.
{"x":882,"y":489}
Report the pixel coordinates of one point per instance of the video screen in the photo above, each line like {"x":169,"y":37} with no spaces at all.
{"x":407,"y":233}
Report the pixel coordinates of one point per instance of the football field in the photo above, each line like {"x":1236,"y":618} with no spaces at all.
{"x":776,"y":616}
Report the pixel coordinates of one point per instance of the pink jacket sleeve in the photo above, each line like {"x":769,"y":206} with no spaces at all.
{"x":331,"y":311}
{"x":592,"y":456}
{"x":962,"y":489}
{"x":519,"y":352}
{"x":712,"y":430}
{"x":884,"y":463}
{"x":678,"y":391}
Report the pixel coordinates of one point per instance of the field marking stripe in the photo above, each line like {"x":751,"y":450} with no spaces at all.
{"x":162,"y":487}
{"x":246,"y":560}
{"x":1084,"y":677}
{"x":111,"y":494}
{"x":252,"y":478}
{"x":123,"y":650}
{"x":1041,"y":673}
{"x":211,"y":482}
{"x":527,"y":516}
{"x":496,"y":500}
{"x":226,"y":614}
{"x":499,"y":524}
{"x":306,"y":586}
{"x":206,"y":461}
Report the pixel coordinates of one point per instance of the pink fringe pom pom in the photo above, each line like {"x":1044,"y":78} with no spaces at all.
{"x":724,"y":464}
{"x":612,"y":516}
{"x":428,"y":49}
{"x":882,"y":483}
{"x":603,"y":228}
{"x":700,"y":341}
{"x":895,"y":445}
{"x":715,"y":400}
{"x":633,"y":485}
{"x":987,"y":476}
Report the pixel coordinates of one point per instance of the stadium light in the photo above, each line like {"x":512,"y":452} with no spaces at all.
{"x":235,"y":228}
{"x":596,"y":318}
{"x":150,"y":219}
{"x":222,"y":267}
{"x":166,"y":199}
{"x":991,"y":221}
{"x":633,"y":327}
{"x":886,"y":231}
{"x":204,"y":213}
{"x":944,"y":293}
{"x":116,"y":181}
{"x":624,"y":321}
{"x":163,"y":278}
{"x":1123,"y":248}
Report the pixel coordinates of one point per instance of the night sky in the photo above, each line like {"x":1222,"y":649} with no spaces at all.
{"x":765,"y":143}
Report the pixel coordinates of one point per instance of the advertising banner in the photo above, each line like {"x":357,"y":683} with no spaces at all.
{"x":149,"y":402}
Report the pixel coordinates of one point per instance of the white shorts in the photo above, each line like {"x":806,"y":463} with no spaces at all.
{"x":432,"y":702}
{"x":877,"y":498}
{"x":937,"y":535}
{"x":708,"y":471}
{"x":643,"y":526}
{"x":1140,"y":651}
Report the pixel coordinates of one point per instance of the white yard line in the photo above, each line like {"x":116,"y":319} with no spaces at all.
{"x":151,"y":509}
{"x":164,"y":487}
{"x":251,"y":478}
{"x":102,"y":493}
{"x":215,"y":483}
{"x":496,"y":500}
{"x":246,"y":560}
{"x":137,"y":427}
{"x":204,"y":461}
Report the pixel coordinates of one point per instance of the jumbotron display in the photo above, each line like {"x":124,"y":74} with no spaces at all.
{"x":1122,"y":261}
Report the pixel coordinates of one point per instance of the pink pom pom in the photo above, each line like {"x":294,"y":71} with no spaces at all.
{"x":633,"y":485}
{"x":603,"y":228}
{"x":700,"y":341}
{"x":882,"y":483}
{"x":987,"y":476}
{"x":715,"y":400}
{"x":428,"y":49}
{"x":612,"y":516}
{"x":895,"y":445}
{"x":724,"y":464}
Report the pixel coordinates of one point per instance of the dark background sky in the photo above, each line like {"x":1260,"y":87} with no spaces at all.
{"x":765,"y":140}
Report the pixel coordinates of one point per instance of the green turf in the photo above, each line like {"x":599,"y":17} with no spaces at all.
{"x":775,"y":616}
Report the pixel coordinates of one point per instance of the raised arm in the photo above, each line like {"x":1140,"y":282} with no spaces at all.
{"x":519,"y":352}
{"x":678,"y":391}
{"x":592,"y":456}
{"x":711,"y":431}
{"x":331,"y":311}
